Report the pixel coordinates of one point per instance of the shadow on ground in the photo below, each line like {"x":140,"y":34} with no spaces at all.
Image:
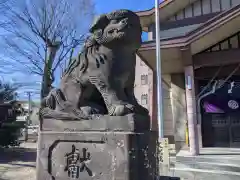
{"x":17,"y":154}
{"x":168,"y":178}
{"x":22,"y":165}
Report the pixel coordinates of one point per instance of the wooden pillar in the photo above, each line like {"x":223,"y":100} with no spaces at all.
{"x":191,"y":110}
{"x":190,"y":101}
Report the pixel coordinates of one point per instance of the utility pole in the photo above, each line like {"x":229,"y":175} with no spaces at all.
{"x":163,"y":148}
{"x":29,"y":102}
{"x":29,"y":93}
{"x":159,"y":73}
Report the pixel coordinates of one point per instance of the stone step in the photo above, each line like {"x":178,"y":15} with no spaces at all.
{"x":209,"y":166}
{"x":180,"y":173}
{"x":200,"y":174}
{"x":232,"y":160}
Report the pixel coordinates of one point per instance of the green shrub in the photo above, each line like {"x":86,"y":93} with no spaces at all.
{"x":9,"y":134}
{"x":9,"y":127}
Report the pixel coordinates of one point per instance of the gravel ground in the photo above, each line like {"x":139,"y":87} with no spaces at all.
{"x":18,"y":163}
{"x":17,"y":172}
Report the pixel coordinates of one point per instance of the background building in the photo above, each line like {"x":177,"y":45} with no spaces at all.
{"x":142,"y":82}
{"x":200,"y":43}
{"x":144,"y":92}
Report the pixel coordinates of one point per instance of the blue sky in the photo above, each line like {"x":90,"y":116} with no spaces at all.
{"x":101,"y":6}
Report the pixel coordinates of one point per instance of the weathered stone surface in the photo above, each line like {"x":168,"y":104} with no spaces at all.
{"x":109,"y":155}
{"x":101,"y":79}
{"x":92,"y":126}
{"x":130,"y":122}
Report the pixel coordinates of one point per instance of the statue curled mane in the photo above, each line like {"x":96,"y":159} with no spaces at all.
{"x":100,"y":80}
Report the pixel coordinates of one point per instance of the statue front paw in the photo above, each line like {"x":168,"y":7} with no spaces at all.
{"x":121,"y":109}
{"x":88,"y":110}
{"x":44,"y":111}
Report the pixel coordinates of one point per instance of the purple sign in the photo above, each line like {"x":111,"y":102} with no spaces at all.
{"x":225,"y":99}
{"x":211,"y":108}
{"x":216,"y":104}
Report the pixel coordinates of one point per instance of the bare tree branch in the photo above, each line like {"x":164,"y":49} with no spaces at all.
{"x":68,"y":50}
{"x":41,"y":35}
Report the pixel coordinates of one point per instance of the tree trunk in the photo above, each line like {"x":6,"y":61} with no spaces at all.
{"x":47,"y":76}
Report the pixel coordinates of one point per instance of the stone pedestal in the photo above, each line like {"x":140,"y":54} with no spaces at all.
{"x":96,"y":155}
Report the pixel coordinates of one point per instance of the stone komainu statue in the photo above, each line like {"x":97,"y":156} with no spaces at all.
{"x":100,"y":81}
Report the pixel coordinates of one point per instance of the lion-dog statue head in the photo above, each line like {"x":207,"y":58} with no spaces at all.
{"x":118,"y":28}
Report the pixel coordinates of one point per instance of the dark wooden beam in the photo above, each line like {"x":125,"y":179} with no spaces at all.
{"x":187,"y":21}
{"x":217,"y":58}
{"x":209,"y":72}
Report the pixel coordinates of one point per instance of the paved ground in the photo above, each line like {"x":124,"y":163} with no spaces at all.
{"x":18,"y":163}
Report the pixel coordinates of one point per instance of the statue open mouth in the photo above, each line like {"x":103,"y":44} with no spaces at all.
{"x":122,"y":28}
{"x":119,"y":31}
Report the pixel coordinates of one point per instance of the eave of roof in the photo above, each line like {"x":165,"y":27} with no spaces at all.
{"x":208,"y":26}
{"x":152,"y":10}
{"x":167,"y":9}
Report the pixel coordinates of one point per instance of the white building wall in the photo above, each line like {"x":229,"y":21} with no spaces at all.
{"x":142,"y":88}
{"x":147,"y":89}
